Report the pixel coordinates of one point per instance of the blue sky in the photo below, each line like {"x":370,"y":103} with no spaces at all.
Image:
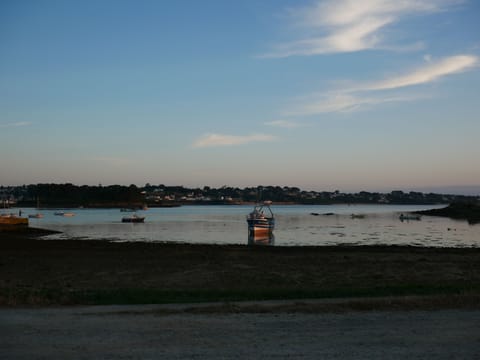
{"x":353,"y":95}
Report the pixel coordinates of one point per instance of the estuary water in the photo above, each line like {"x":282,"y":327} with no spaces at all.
{"x":295,"y":226}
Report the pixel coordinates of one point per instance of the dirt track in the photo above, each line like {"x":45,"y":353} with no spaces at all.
{"x":151,"y":332}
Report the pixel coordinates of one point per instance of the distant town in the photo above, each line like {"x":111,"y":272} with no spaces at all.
{"x":70,"y":195}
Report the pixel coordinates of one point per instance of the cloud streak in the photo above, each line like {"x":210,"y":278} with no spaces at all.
{"x":342,"y":26}
{"x":284,"y":124}
{"x":215,"y":140}
{"x":341,"y":102}
{"x":15,"y":124}
{"x":361,"y":96}
{"x":428,"y":73}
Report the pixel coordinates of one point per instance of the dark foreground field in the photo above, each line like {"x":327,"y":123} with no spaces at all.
{"x":41,"y":272}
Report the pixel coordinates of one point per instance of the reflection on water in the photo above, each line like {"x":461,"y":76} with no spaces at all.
{"x":295,"y":225}
{"x":267,"y":239}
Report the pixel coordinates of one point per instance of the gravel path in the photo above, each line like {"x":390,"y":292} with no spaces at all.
{"x":157,"y":332}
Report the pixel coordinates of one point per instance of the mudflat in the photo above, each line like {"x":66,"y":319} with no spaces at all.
{"x":63,"y":272}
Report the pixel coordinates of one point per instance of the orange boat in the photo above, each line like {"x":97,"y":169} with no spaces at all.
{"x":12,"y":220}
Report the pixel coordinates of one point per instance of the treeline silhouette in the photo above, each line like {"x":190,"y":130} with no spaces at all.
{"x":70,"y":195}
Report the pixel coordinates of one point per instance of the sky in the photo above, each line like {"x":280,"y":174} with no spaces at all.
{"x":373,"y":95}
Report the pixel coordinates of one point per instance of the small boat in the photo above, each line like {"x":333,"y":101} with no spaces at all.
{"x":66,"y":214}
{"x":357,"y":216}
{"x":410,"y":217}
{"x":133,"y":219}
{"x":36,"y":215}
{"x":261,"y":220}
{"x":13,"y":220}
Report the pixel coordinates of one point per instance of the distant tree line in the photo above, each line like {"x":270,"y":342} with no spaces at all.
{"x":69,"y":195}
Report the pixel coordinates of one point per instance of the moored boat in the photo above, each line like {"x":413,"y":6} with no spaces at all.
{"x":410,"y":217}
{"x":66,"y":214}
{"x":261,"y":220}
{"x":133,"y":219}
{"x":36,"y":215}
{"x":13,"y":220}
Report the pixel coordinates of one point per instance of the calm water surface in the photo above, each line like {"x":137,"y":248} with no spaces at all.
{"x":295,"y":225}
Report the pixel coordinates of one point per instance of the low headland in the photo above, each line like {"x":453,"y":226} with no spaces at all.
{"x":469,"y":211}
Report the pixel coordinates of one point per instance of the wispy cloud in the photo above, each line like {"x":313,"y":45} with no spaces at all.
{"x":284,"y":124}
{"x":15,"y":124}
{"x":364,"y":95}
{"x":350,"y":25}
{"x":343,"y":102}
{"x":214,"y":140}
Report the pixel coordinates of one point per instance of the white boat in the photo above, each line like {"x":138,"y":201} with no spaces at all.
{"x":133,"y":219}
{"x":261,"y":220}
{"x":36,"y":215}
